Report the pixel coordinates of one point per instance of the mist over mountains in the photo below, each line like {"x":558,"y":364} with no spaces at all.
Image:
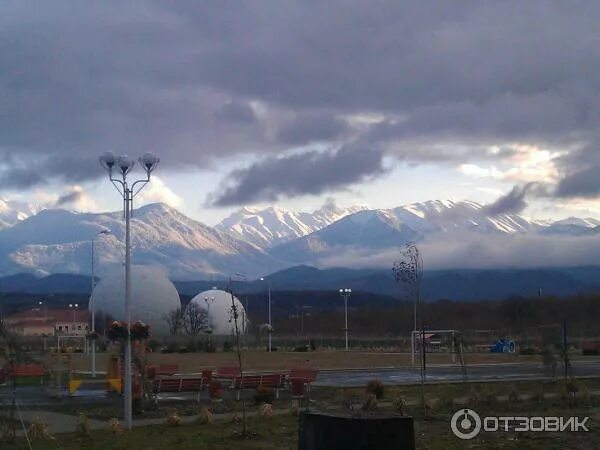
{"x":451,"y":235}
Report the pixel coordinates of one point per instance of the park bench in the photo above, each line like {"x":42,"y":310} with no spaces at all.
{"x":178,"y":383}
{"x":227,"y":373}
{"x":22,"y":371}
{"x":253,"y":381}
{"x":301,"y":378}
{"x":167,"y":369}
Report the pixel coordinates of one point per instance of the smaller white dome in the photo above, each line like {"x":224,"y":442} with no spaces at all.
{"x":217,"y":305}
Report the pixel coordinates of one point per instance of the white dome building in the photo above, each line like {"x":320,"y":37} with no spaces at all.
{"x":217,"y":305}
{"x":153,"y":296}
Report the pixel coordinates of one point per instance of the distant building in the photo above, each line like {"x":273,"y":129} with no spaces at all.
{"x":49,"y":322}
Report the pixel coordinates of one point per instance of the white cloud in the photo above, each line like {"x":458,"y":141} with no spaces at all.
{"x":476,"y":171}
{"x":157,"y":191}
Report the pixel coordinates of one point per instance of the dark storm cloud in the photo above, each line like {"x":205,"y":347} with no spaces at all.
{"x":237,"y":112}
{"x":179,"y":78}
{"x":311,"y":128}
{"x":515,"y":201}
{"x":512,"y":203}
{"x":305,"y":173}
{"x":19,"y":178}
{"x":70,"y":197}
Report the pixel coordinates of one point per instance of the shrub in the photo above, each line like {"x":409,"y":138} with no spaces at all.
{"x":205,"y":416}
{"x":295,"y":407}
{"x":83,"y":426}
{"x":376,"y":388}
{"x":39,"y":430}
{"x":571,"y":390}
{"x":370,"y":403}
{"x":400,"y":405}
{"x":264,"y":394}
{"x":173,"y":419}
{"x":429,"y":408}
{"x":114,"y":426}
{"x":266,"y":410}
{"x":227,"y":347}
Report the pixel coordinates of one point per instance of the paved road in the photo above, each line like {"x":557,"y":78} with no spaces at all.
{"x":30,"y":396}
{"x":439,"y":373}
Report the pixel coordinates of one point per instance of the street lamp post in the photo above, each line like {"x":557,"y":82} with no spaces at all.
{"x":345,"y":293}
{"x":123,"y":165}
{"x":73,"y":307}
{"x":93,"y":302}
{"x":270,"y":331}
{"x":208,"y":301}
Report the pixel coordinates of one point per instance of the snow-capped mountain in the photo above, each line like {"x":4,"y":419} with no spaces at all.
{"x":377,"y":230}
{"x":12,"y":211}
{"x":253,"y":241}
{"x":60,"y":241}
{"x":271,"y":226}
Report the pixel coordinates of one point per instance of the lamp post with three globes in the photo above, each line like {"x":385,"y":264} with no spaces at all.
{"x":345,"y":293}
{"x":121,"y":166}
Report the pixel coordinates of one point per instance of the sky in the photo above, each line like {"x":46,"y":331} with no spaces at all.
{"x":293,"y":103}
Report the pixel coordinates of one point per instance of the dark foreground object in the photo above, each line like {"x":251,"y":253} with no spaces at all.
{"x":354,"y":431}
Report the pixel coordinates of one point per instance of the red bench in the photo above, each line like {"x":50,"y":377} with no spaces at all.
{"x":253,"y":381}
{"x":300,"y":379}
{"x":25,"y":370}
{"x":167,"y":369}
{"x":178,"y":384}
{"x":22,"y":371}
{"x":227,"y":373}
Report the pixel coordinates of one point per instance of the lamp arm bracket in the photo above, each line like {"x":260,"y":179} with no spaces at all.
{"x":144,"y":183}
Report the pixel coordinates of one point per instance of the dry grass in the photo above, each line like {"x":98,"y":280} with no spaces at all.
{"x":323,"y":359}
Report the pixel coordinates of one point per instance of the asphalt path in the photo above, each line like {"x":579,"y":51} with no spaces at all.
{"x":451,"y":373}
{"x":29,"y":396}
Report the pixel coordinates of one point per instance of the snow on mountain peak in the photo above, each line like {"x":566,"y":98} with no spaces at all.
{"x":271,"y":226}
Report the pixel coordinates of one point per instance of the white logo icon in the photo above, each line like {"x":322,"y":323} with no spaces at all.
{"x":465,"y":424}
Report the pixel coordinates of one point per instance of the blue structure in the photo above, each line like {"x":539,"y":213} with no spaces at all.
{"x":503,"y":346}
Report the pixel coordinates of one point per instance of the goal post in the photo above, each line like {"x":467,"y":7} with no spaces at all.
{"x":436,"y":341}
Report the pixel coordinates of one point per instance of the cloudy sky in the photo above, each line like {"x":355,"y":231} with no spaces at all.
{"x":293,"y":102}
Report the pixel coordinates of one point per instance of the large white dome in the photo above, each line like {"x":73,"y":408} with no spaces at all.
{"x":153,"y":296}
{"x":217,"y":304}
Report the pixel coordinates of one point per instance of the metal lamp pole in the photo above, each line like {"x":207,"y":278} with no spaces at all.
{"x":270,"y":318}
{"x":93,"y":302}
{"x":345,"y":293}
{"x":123,"y":165}
{"x":73,"y":307}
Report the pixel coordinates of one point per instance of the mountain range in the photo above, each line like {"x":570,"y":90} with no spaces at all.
{"x":255,"y":242}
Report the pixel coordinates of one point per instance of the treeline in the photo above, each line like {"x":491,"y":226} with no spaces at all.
{"x":514,"y":315}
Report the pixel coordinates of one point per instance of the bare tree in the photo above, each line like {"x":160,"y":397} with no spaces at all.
{"x":195,"y":319}
{"x":175,"y":321}
{"x":408,"y":271}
